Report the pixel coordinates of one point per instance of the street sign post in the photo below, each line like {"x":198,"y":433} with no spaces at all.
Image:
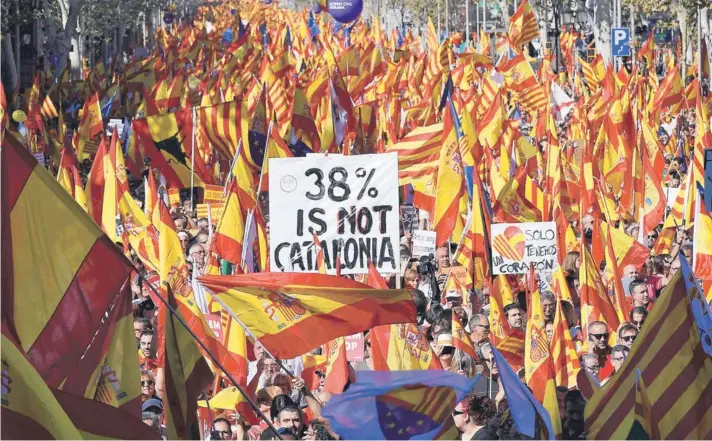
{"x":620,"y":42}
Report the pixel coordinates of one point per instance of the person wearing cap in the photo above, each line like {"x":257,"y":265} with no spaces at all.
{"x":153,"y":405}
{"x":452,"y":299}
{"x":445,"y":349}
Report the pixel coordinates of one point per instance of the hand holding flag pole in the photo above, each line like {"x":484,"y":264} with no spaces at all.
{"x":207,"y":351}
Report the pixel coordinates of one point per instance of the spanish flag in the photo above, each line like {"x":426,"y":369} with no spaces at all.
{"x":230,"y":231}
{"x":29,"y":410}
{"x":74,"y":287}
{"x":91,"y":123}
{"x":401,"y":348}
{"x":107,"y":372}
{"x":182,"y":367}
{"x":291,"y":314}
{"x":337,"y":366}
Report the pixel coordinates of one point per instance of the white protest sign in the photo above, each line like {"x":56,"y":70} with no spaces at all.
{"x":423,"y":243}
{"x":671,"y":196}
{"x":114,"y":122}
{"x":516,"y":246}
{"x":349,"y":202}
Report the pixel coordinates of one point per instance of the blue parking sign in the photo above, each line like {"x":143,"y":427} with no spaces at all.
{"x":620,"y":42}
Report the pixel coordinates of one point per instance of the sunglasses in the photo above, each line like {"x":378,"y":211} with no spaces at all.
{"x":639,"y":324}
{"x":629,"y":338}
{"x":147,"y":383}
{"x":599,"y":336}
{"x":457,"y":412}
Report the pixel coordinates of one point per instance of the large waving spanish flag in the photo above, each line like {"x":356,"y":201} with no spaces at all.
{"x":291,"y":314}
{"x":60,"y":272}
{"x":401,"y":348}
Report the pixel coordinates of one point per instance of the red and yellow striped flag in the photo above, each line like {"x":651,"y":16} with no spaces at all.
{"x":674,"y":364}
{"x":48,"y":110}
{"x":337,"y":367}
{"x":418,"y":154}
{"x":224,"y":125}
{"x":275,"y":305}
{"x":522,"y":26}
{"x":40,"y":220}
{"x":276,"y":148}
{"x":91,"y":123}
{"x":596,"y":305}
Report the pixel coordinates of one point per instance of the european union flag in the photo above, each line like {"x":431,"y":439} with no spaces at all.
{"x":398,"y":405}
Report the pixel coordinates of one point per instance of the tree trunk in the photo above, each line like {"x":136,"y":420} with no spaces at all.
{"x":8,"y":53}
{"x":68,"y":35}
{"x":602,"y":19}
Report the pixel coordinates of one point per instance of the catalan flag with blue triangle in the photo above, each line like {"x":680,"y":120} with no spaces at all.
{"x":398,"y":405}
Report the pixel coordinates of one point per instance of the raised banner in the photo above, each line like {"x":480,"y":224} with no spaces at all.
{"x":516,"y":246}
{"x":350,"y":203}
{"x":213,"y":194}
{"x":354,"y":347}
{"x":423,"y":243}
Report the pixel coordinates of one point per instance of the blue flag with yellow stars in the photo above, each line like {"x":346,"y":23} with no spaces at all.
{"x":398,"y":405}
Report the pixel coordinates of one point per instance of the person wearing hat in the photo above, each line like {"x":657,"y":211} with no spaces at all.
{"x":452,"y":299}
{"x":445,"y":349}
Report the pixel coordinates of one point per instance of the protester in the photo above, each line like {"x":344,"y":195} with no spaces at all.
{"x":514,"y":316}
{"x":638,"y":316}
{"x":471,"y":416}
{"x":627,"y":334}
{"x":619,"y":353}
{"x":598,"y":340}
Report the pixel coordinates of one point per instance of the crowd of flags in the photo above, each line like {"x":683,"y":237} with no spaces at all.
{"x":482,"y":137}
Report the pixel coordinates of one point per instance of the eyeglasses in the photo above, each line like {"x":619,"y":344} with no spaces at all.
{"x":629,"y":338}
{"x":147,"y":383}
{"x":457,"y":412}
{"x":638,"y":324}
{"x":486,"y":328}
{"x":599,"y":336}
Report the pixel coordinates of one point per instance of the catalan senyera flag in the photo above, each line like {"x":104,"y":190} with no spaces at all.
{"x":337,"y":366}
{"x":276,"y":305}
{"x":675,"y":366}
{"x":48,"y":110}
{"x":74,"y":288}
{"x":224,"y":125}
{"x":643,"y":426}
{"x":522,"y":26}
{"x":230,"y":231}
{"x":29,"y":410}
{"x":418,"y":154}
{"x":183,"y":368}
{"x":563,"y":352}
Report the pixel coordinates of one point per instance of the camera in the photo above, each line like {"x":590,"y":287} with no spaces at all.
{"x":426,"y":266}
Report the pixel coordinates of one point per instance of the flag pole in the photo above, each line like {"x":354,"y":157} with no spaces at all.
{"x":192,"y":160}
{"x":207,"y":351}
{"x":232,"y":166}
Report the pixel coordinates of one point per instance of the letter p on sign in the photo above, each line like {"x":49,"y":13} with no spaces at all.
{"x":620,"y":39}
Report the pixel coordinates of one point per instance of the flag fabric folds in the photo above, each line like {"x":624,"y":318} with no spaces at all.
{"x":291,"y":314}
{"x":53,"y":307}
{"x":672,"y":353}
{"x":398,"y":405}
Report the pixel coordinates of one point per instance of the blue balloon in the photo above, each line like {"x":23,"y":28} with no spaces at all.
{"x":345,"y":11}
{"x":227,"y":36}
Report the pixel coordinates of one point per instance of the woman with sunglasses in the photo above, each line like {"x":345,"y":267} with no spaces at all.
{"x":148,"y":386}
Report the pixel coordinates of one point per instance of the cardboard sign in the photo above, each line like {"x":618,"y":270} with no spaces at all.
{"x":423,"y":243}
{"x":458,"y":272}
{"x":354,"y":347}
{"x":350,"y":203}
{"x":516,"y":246}
{"x":212,"y":194}
{"x":114,"y":122}
{"x":216,"y":211}
{"x":174,"y":197}
{"x":215,"y":324}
